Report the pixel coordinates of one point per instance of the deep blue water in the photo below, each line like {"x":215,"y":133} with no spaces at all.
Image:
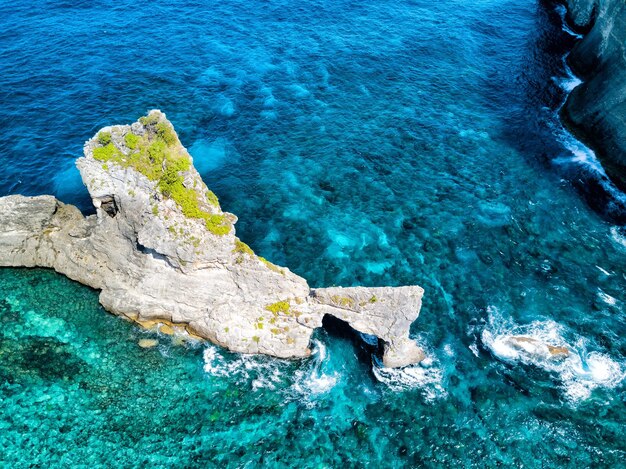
{"x":375,"y":143}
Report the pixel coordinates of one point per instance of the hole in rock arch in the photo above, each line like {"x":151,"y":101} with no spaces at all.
{"x":364,"y":345}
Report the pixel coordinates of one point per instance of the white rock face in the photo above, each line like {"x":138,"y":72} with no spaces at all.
{"x":156,"y":261}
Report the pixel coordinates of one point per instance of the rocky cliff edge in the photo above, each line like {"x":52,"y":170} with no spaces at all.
{"x":596,"y":110}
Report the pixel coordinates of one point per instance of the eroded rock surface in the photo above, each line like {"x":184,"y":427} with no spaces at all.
{"x":596,"y":110}
{"x":161,"y":250}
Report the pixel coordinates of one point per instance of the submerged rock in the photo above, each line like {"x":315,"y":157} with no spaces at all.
{"x":535,"y":348}
{"x":148,"y":343}
{"x":164,"y":254}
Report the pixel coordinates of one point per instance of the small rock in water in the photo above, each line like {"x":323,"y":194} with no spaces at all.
{"x":564,"y":351}
{"x":536,"y":347}
{"x":166,"y":329}
{"x":148,"y":343}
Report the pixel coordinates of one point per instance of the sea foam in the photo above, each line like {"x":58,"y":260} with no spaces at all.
{"x":579,"y":373}
{"x":256,"y":372}
{"x":426,"y":377}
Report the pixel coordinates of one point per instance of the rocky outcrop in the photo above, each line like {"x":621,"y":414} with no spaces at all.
{"x":595,"y":111}
{"x":535,"y":348}
{"x":162,"y":252}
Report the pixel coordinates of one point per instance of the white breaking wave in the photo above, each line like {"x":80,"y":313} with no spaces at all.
{"x":580,"y":372}
{"x":253,"y":370}
{"x":309,"y":381}
{"x":608,"y":299}
{"x":562,"y":11}
{"x":568,"y":84}
{"x":261,"y":372}
{"x":618,"y":235}
{"x":579,"y":153}
{"x":427,"y":380}
{"x":585,"y":157}
{"x":313,"y":380}
{"x":426,"y":377}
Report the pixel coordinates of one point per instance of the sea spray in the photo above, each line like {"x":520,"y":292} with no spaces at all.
{"x":579,"y":371}
{"x":426,"y":377}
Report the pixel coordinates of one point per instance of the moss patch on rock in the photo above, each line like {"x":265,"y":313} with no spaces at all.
{"x":212,"y":198}
{"x":131,"y":140}
{"x":104,"y":138}
{"x":242,"y":248}
{"x":279,"y":307}
{"x":271,"y":266}
{"x":342,"y":301}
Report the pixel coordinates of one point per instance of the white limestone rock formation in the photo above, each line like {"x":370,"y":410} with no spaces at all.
{"x":162,"y":252}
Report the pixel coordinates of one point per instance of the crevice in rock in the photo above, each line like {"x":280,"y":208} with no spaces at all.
{"x":109,"y":205}
{"x":154,"y":254}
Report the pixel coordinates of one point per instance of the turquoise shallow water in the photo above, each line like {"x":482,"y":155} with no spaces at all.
{"x":382,"y":143}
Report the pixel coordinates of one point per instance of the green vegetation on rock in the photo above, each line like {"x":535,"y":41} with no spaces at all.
{"x":149,"y":119}
{"x":279,"y":307}
{"x":158,"y":156}
{"x":342,"y":301}
{"x":107,"y":152}
{"x":131,"y":140}
{"x":271,"y":266}
{"x":242,"y":248}
{"x":165,"y":133}
{"x":212,"y":198}
{"x":104,"y":138}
